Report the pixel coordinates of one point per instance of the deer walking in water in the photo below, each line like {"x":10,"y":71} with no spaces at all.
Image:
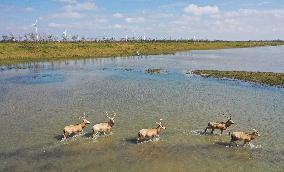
{"x":150,"y":133}
{"x":219,"y":125}
{"x":77,"y":129}
{"x":246,"y":137}
{"x":104,"y":127}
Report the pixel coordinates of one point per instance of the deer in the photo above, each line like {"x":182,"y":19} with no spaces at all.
{"x":104,"y":127}
{"x":219,"y":125}
{"x":246,"y":137}
{"x":77,"y":129}
{"x":150,"y":133}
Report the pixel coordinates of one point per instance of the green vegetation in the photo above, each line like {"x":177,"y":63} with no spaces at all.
{"x":269,"y":78}
{"x":153,"y":71}
{"x":21,"y":52}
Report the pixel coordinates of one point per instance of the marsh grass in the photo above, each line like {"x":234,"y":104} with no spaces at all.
{"x":268,"y":78}
{"x":21,"y":52}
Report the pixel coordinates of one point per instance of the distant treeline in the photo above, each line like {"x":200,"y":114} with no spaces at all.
{"x":32,"y":37}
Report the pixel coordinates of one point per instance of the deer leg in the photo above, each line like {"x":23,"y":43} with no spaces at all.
{"x":249,"y":144}
{"x":93,"y":133}
{"x":65,"y":134}
{"x":140,"y":139}
{"x":205,"y":129}
{"x":212,"y":130}
{"x":221,"y":131}
{"x":230,"y":144}
{"x":64,"y":137}
{"x":233,"y":141}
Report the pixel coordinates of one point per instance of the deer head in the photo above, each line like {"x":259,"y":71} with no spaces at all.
{"x":84,"y":118}
{"x":160,"y":124}
{"x":111,"y":118}
{"x":230,"y":121}
{"x":255,"y":132}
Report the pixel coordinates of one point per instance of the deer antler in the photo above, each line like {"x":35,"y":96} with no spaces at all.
{"x":159,"y":123}
{"x":229,"y":114}
{"x":107,"y":115}
{"x":114,"y":114}
{"x":84,"y":115}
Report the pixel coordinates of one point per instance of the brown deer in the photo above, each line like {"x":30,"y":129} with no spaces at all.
{"x":246,"y":137}
{"x":77,"y":129}
{"x":219,"y":125}
{"x":150,"y":133}
{"x":104,"y":127}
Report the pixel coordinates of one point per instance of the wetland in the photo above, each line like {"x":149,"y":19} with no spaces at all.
{"x":37,"y":99}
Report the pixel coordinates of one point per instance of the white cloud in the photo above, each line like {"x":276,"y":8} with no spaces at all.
{"x":67,"y":1}
{"x":101,"y":19}
{"x":84,"y":6}
{"x":117,"y":26}
{"x":242,"y":24}
{"x":4,"y":8}
{"x":201,"y":10}
{"x":73,"y":9}
{"x":66,"y":15}
{"x":118,"y":15}
{"x":57,"y":25}
{"x":263,"y":3}
{"x":134,"y":19}
{"x":29,"y":9}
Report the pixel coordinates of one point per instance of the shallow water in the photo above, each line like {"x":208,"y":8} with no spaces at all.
{"x":39,"y":99}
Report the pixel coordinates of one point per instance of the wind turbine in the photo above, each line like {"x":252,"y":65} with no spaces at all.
{"x":104,"y":36}
{"x":65,"y":34}
{"x":144,"y":37}
{"x":134,"y":35}
{"x":35,"y":25}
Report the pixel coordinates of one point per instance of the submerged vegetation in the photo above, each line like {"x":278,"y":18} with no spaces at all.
{"x":268,"y":78}
{"x":153,"y":71}
{"x":21,"y":52}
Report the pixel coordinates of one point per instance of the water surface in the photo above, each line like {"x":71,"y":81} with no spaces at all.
{"x":39,"y":99}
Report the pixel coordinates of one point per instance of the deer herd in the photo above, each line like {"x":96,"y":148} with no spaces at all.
{"x":150,"y":133}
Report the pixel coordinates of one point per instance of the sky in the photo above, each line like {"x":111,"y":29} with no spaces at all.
{"x":202,"y":19}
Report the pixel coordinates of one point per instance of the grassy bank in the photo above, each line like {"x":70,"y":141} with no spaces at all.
{"x":20,"y":52}
{"x":268,"y":78}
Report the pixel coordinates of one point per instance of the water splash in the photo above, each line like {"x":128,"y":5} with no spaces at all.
{"x":103,"y":135}
{"x":155,"y":139}
{"x":197,"y":132}
{"x":251,"y":146}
